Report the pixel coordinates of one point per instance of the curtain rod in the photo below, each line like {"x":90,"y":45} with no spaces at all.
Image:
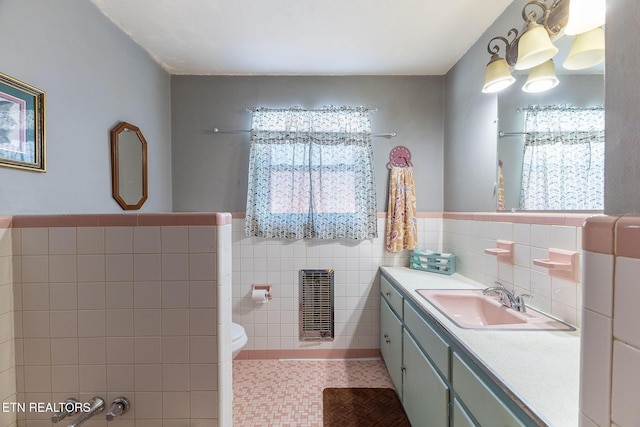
{"x":502,"y":133}
{"x":378,"y":135}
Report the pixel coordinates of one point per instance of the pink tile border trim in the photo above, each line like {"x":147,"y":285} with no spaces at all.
{"x":5,"y":221}
{"x":118,"y":220}
{"x":628,"y":237}
{"x":612,"y":235}
{"x":356,"y":353}
{"x":598,"y":234}
{"x":546,"y":218}
{"x":223,"y":218}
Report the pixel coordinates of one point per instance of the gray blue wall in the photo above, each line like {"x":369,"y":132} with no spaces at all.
{"x":210,"y":170}
{"x":94,"y":76}
{"x":471,"y":116}
{"x":622,"y":119}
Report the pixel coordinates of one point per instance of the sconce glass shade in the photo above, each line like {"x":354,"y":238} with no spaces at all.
{"x":541,"y":78}
{"x":586,"y":51}
{"x":497,"y":75}
{"x":585,"y":15}
{"x":534,"y":47}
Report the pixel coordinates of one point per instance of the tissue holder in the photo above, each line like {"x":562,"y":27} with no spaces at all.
{"x":261,"y":293}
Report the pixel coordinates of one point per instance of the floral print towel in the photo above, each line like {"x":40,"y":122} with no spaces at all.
{"x":402,"y":231}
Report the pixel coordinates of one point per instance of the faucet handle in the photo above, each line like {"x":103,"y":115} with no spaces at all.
{"x":69,"y":407}
{"x":119,"y":406}
{"x":520,"y":300}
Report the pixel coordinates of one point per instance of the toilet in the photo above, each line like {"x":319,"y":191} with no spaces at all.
{"x":238,"y":339}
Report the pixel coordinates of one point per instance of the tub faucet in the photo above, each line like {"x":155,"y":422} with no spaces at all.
{"x":96,"y":406}
{"x":69,"y":407}
{"x":507,"y":298}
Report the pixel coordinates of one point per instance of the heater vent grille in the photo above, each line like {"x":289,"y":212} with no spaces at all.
{"x":316,"y":305}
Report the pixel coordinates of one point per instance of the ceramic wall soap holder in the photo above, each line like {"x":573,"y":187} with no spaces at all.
{"x":561,"y":263}
{"x":504,"y":251}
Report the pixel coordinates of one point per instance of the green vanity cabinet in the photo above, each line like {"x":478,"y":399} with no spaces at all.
{"x":438,"y":383}
{"x":481,"y":402}
{"x":460,"y":416}
{"x":425,"y":396}
{"x":392,"y":295}
{"x":391,"y":343}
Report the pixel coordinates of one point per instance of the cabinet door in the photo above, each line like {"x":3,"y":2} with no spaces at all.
{"x":391,"y":344}
{"x":425,"y":395}
{"x":482,"y":403}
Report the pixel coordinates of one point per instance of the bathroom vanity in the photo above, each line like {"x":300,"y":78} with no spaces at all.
{"x":448,"y":375}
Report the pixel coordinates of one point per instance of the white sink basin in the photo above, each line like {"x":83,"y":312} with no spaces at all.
{"x":473,"y":310}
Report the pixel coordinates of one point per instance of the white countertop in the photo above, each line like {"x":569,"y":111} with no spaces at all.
{"x":541,"y":368}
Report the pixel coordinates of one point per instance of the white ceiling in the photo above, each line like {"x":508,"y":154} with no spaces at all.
{"x":304,"y":37}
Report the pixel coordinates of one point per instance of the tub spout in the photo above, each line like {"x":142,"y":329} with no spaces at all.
{"x":70,"y":407}
{"x":96,"y":406}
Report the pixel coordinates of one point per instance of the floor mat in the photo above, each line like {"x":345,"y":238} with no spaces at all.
{"x":354,"y":407}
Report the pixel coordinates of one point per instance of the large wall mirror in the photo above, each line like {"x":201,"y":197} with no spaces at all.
{"x":551,"y":144}
{"x":128,"y":166}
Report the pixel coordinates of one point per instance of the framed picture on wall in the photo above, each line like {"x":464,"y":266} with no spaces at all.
{"x":22,"y":125}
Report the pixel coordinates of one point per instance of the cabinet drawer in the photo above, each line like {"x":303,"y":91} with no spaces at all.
{"x":391,"y":294}
{"x":429,"y":340}
{"x":482,"y":403}
{"x":460,"y":416}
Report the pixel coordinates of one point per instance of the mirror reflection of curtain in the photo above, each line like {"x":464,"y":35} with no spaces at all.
{"x":563,"y":165}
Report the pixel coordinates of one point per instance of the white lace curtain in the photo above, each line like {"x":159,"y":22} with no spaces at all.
{"x":311,"y":174}
{"x":563,"y":165}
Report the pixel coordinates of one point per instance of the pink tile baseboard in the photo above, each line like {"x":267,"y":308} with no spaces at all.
{"x":357,"y":353}
{"x":118,"y":220}
{"x":598,"y":234}
{"x":627,"y":237}
{"x":546,"y":218}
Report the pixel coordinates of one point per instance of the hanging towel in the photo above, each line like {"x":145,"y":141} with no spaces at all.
{"x":500,"y":187}
{"x":402,"y":231}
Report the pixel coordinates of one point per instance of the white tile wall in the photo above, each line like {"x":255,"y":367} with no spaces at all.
{"x":469,"y":238}
{"x":115,"y":311}
{"x":8,"y":392}
{"x":595,"y":399}
{"x":274,"y":326}
{"x":627,"y":293}
{"x":625,"y":410}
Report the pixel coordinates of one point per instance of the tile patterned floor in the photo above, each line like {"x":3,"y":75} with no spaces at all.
{"x":288,"y":393}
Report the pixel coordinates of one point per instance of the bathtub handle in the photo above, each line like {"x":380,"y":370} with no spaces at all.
{"x":119,"y":406}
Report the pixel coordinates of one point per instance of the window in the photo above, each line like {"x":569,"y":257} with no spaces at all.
{"x":563,"y":166}
{"x":311,"y":174}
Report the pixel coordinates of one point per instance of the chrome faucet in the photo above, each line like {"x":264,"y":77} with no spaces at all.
{"x":508,"y":298}
{"x":96,"y":406}
{"x":69,"y":407}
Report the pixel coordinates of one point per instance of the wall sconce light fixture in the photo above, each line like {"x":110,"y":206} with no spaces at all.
{"x":534,"y":48}
{"x":541,"y":77}
{"x":497,"y":75}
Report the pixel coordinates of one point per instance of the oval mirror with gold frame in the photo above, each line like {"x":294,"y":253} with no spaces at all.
{"x":128,"y":166}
